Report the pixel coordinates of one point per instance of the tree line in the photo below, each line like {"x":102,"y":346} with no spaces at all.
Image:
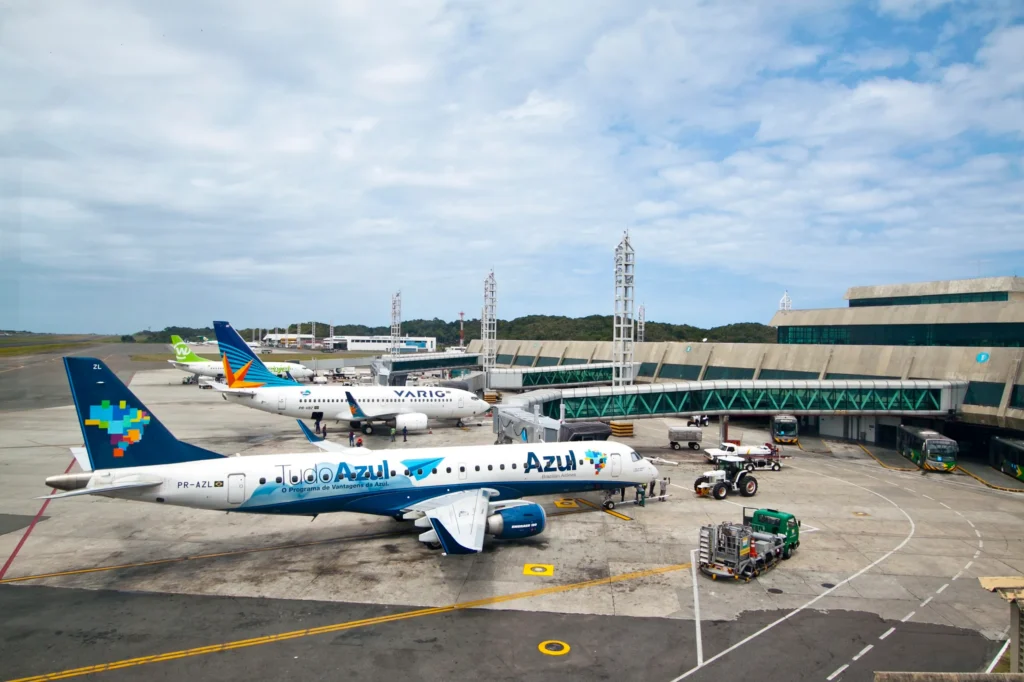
{"x":530,"y":327}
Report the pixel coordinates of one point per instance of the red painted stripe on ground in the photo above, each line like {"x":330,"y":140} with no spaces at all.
{"x":28,"y":531}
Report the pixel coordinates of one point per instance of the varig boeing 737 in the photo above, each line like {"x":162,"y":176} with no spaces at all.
{"x":457,"y":495}
{"x":247,"y":382}
{"x":187,"y":361}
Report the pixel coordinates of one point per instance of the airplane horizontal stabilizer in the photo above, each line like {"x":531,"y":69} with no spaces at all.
{"x":102,"y":489}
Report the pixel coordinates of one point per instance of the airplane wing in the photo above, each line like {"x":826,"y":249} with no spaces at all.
{"x":102,"y":489}
{"x":361,"y":412}
{"x":326,"y":445}
{"x":457,"y":520}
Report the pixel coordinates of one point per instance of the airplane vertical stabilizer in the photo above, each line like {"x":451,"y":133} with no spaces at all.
{"x":246,"y":367}
{"x":119,"y":431}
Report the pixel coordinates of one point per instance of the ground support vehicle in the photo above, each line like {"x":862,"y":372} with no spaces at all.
{"x":926,"y":448}
{"x":685,"y":435}
{"x":698,"y":420}
{"x":730,"y":476}
{"x":744,"y":551}
{"x":785,"y":429}
{"x":772,"y":461}
{"x":732,"y":449}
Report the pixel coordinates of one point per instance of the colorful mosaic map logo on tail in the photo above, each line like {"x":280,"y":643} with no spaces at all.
{"x":123,"y":424}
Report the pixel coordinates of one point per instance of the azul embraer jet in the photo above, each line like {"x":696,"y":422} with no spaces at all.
{"x":247,"y":382}
{"x":458,"y":495}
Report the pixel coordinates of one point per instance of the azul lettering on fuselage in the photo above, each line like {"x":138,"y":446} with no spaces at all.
{"x":327,"y":474}
{"x":550,"y":463}
{"x":422,"y":393}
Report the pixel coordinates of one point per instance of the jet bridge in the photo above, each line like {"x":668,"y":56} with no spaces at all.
{"x":392,"y":370}
{"x":828,"y":397}
{"x":555,"y":376}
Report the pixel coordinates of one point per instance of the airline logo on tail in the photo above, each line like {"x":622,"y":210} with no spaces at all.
{"x":353,"y":407}
{"x":182,"y":351}
{"x":125,"y":425}
{"x":237,"y":379}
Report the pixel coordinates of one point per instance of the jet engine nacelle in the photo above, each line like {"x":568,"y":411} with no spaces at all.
{"x":519,"y":521}
{"x":416,"y":421}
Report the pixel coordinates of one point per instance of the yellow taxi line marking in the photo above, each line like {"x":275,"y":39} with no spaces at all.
{"x":606,"y":511}
{"x":872,"y":456}
{"x":979,"y":479}
{"x":338,"y":627}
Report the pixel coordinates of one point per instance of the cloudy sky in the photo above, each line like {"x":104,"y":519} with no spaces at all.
{"x":269,"y":162}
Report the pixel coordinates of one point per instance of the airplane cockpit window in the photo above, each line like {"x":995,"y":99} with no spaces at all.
{"x":635,"y":457}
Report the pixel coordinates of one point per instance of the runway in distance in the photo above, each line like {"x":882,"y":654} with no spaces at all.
{"x":186,"y":360}
{"x":457,"y":494}
{"x":247,"y":382}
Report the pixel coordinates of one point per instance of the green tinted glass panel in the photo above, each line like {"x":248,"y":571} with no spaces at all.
{"x":684,"y":372}
{"x":563,"y":376}
{"x":546,"y":361}
{"x":982,"y":297}
{"x":575,"y":361}
{"x":999,"y":334}
{"x":1017,"y":397}
{"x":503,"y":359}
{"x":524,"y":361}
{"x":718,"y":373}
{"x":984,"y":393}
{"x":856,"y":377}
{"x":768,"y":374}
{"x":647,"y":369}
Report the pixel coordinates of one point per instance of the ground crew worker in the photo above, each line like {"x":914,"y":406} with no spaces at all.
{"x":359,"y":442}
{"x":324,"y":431}
{"x":393,"y":432}
{"x":623,"y":491}
{"x":650,"y":492}
{"x":663,"y":488}
{"x":351,"y":439}
{"x":405,"y":434}
{"x":643,"y":495}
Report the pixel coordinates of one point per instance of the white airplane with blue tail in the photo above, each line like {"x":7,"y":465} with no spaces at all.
{"x":458,"y":495}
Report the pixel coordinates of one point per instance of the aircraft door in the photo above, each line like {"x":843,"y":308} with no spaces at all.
{"x":281,"y":403}
{"x":462,"y":471}
{"x":616,"y":465}
{"x":461,"y":402}
{"x":236,"y":488}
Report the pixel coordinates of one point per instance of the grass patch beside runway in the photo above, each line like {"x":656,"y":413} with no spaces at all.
{"x":33,"y":344}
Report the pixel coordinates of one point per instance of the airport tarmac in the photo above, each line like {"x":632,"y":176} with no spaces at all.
{"x":885,"y":578}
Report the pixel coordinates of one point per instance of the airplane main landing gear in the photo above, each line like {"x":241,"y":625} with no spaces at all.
{"x":432,"y":545}
{"x":367,"y":429}
{"x":459,"y":423}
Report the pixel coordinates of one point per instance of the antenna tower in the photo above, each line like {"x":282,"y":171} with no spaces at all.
{"x":396,"y":323}
{"x":786,"y":304}
{"x":462,"y":329}
{"x":489,"y":322}
{"x":622,"y":332}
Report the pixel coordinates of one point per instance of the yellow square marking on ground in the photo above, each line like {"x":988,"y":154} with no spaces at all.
{"x":566,"y":504}
{"x":538,"y":569}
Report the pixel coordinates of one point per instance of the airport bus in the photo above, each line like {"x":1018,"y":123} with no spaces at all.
{"x":785,"y":429}
{"x":1007,"y":455}
{"x":926,"y":448}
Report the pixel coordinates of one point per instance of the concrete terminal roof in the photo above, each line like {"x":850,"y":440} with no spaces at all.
{"x":942,"y":313}
{"x":949,"y":286}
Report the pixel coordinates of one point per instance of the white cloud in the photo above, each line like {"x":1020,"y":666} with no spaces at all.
{"x":364,"y":147}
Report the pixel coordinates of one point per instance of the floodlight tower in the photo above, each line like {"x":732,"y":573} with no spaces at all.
{"x":489,"y":322}
{"x":622,"y":332}
{"x":786,"y":304}
{"x":396,"y":323}
{"x":640,"y":319}
{"x":462,"y":329}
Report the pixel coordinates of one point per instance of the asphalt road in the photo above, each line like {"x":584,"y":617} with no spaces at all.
{"x":36,"y":381}
{"x":48,"y":630}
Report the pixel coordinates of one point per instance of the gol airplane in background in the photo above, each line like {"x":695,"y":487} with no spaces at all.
{"x":187,"y":361}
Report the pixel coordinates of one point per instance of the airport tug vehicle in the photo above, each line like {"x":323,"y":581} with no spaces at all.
{"x":730,"y":476}
{"x":744,"y":551}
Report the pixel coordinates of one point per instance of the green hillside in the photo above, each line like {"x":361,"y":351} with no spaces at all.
{"x":530,"y":327}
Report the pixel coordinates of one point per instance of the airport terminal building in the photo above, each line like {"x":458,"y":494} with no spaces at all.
{"x":972,"y":330}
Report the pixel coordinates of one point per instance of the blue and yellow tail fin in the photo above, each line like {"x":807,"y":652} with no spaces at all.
{"x":242,"y":367}
{"x":119,"y":431}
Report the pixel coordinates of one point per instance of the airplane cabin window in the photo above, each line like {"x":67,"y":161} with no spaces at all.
{"x":478,"y":467}
{"x":490,"y":467}
{"x":310,"y":478}
{"x":295,"y":479}
{"x":448,"y":470}
{"x":392,"y":472}
{"x":513,"y":466}
{"x":433,"y":471}
{"x":278,"y":479}
{"x":406,"y":472}
{"x":419,"y":472}
{"x":501,"y":466}
{"x":262,"y":481}
{"x":462,"y":469}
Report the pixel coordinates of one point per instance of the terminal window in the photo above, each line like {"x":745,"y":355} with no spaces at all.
{"x":982,"y":297}
{"x":997,"y":334}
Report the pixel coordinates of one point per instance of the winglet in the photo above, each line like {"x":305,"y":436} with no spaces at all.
{"x":310,"y":436}
{"x":353,"y":406}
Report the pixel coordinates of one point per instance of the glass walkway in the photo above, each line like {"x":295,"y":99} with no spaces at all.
{"x":425,"y":362}
{"x":915,"y":397}
{"x":558,"y":375}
